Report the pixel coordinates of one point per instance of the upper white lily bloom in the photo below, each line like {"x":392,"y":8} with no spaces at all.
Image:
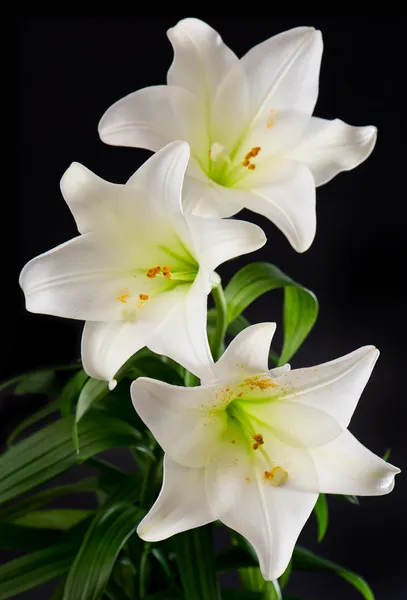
{"x":253,"y":140}
{"x":141,"y":270}
{"x":255,"y":447}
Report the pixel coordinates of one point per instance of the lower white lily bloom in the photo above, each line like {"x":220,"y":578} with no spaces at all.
{"x":249,"y":123}
{"x":141,"y":271}
{"x":255,"y":447}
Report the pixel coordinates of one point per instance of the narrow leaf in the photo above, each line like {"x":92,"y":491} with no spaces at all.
{"x":40,"y":414}
{"x":70,"y":392}
{"x":94,"y":562}
{"x":93,"y":391}
{"x":50,"y":452}
{"x":305,"y":560}
{"x":26,"y":539}
{"x":321,"y":513}
{"x":61,"y":518}
{"x":34,"y":569}
{"x":38,"y":382}
{"x":236,"y":557}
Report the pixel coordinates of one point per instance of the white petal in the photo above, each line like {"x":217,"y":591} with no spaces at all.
{"x":217,"y":241}
{"x":329,"y":147}
{"x":345,"y":466}
{"x":157,"y":186}
{"x":79,"y":279}
{"x":283,"y":75}
{"x":182,"y":333}
{"x":180,"y":506}
{"x":271,"y":518}
{"x":333,"y":387}
{"x":294,"y":424}
{"x":277,"y":371}
{"x":92,"y":200}
{"x":205,"y":198}
{"x":247,"y":354}
{"x":154,"y":116}
{"x":180,"y":418}
{"x":286,"y":196}
{"x":201,"y":59}
{"x":107,"y":345}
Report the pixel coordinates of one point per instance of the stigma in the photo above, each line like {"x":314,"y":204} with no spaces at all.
{"x":277,"y":476}
{"x":218,"y":152}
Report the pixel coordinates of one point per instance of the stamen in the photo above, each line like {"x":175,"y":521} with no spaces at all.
{"x":258,"y":439}
{"x":272,"y":118}
{"x":167,"y":272}
{"x":251,"y":167}
{"x":153,"y":272}
{"x":123,"y":296}
{"x":252,"y":154}
{"x":277,"y":476}
{"x":144,"y":297}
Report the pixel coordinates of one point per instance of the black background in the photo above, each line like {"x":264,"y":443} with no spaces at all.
{"x":71,"y":69}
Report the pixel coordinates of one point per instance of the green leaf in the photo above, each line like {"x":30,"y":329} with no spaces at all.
{"x":351,"y":499}
{"x":34,"y":569}
{"x":40,"y":414}
{"x":61,"y":518}
{"x":31,"y":503}
{"x":155,"y":367}
{"x":38,"y":382}
{"x":70,"y":392}
{"x":300,"y":304}
{"x":272,"y":591}
{"x":93,"y":391}
{"x":236,"y":557}
{"x":26,"y":539}
{"x":91,"y":569}
{"x":50,"y":452}
{"x":305,"y":560}
{"x":387,"y":454}
{"x":321,"y":513}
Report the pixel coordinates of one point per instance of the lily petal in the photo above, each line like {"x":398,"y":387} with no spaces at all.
{"x":180,"y":506}
{"x":271,"y":518}
{"x":180,"y":418}
{"x":204,"y":198}
{"x":329,"y":147}
{"x":92,"y":200}
{"x":282,"y":75}
{"x":286,"y":197}
{"x":182,"y":332}
{"x":201,"y":59}
{"x":247,"y":354}
{"x":217,"y":241}
{"x":152,"y":117}
{"x":79,"y":279}
{"x":345,"y":466}
{"x":333,"y":387}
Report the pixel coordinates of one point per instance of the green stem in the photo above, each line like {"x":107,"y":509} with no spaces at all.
{"x":195,"y":557}
{"x":221,"y":321}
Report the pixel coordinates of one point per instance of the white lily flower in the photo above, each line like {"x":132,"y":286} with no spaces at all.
{"x":141,"y":270}
{"x":254,"y":447}
{"x":254,"y":143}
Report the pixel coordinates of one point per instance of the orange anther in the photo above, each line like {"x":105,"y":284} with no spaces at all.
{"x":246,"y":162}
{"x":144,"y":297}
{"x":251,"y":167}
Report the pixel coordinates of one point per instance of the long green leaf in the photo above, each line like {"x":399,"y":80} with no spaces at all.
{"x":50,"y":452}
{"x":70,"y":392}
{"x":94,"y":562}
{"x":321,"y":513}
{"x":26,"y":539}
{"x":37,"y":382}
{"x":53,"y":518}
{"x":300,"y":304}
{"x":93,"y":391}
{"x":306,"y":560}
{"x":236,"y":557}
{"x":34,"y":569}
{"x":40,"y":414}
{"x":34,"y":502}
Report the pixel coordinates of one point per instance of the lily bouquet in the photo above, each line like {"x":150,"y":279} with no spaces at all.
{"x":222,"y":430}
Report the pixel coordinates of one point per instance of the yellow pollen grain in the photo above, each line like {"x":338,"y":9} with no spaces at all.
{"x":277,"y":476}
{"x":263,"y":383}
{"x":271,"y":119}
{"x":247,"y":479}
{"x":233,"y":441}
{"x":144,"y":297}
{"x":123,"y":297}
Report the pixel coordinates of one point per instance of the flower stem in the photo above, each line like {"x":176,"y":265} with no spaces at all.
{"x":194,"y":551}
{"x":221,"y":321}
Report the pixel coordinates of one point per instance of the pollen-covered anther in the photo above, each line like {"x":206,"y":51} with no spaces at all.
{"x":123,"y":296}
{"x":258,"y":440}
{"x":153,"y":272}
{"x":277,"y":476}
{"x":251,"y":167}
{"x":166,"y":271}
{"x":271,"y":118}
{"x":142,"y":300}
{"x":252,"y":154}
